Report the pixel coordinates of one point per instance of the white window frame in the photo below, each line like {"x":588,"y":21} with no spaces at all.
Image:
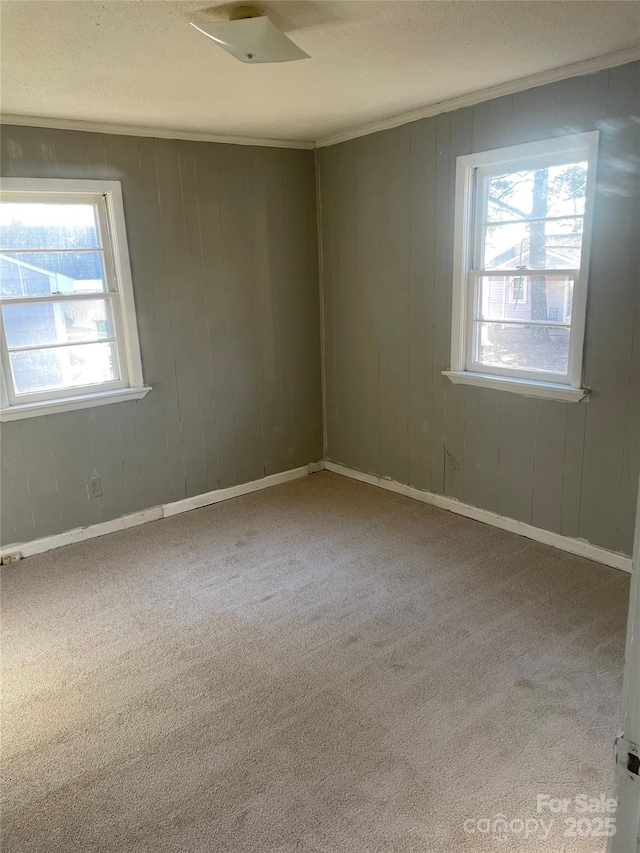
{"x":107,"y":196}
{"x":468,"y":221}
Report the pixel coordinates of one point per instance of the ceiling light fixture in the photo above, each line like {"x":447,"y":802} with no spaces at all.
{"x":251,"y":37}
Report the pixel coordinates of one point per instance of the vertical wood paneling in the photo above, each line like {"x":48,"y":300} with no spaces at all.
{"x":226,"y":293}
{"x":233,"y":195}
{"x":347,"y":318}
{"x":550,"y":435}
{"x":15,"y":496}
{"x":181,"y":311}
{"x":569,"y":106}
{"x":31,"y":152}
{"x":403,"y":295}
{"x":300,"y":302}
{"x":327,"y":186}
{"x":390,"y":288}
{"x":471,"y":445}
{"x":5,"y":156}
{"x":194,"y":284}
{"x":570,"y":468}
{"x":614,"y":288}
{"x":491,"y":128}
{"x":595,"y":119}
{"x":71,"y":155}
{"x":267,"y":233}
{"x":456,"y":395}
{"x":517,"y":448}
{"x":7,"y":505}
{"x":39,"y":466}
{"x":489,"y":412}
{"x":130,"y":440}
{"x":106,"y":451}
{"x":218,"y":346}
{"x":165,"y":386}
{"x":570,"y":114}
{"x":72,"y":460}
{"x":140,"y":457}
{"x":366,"y":389}
{"x":631,"y":454}
{"x":531,"y":114}
{"x":440,"y":462}
{"x":421,"y":299}
{"x":572,"y":464}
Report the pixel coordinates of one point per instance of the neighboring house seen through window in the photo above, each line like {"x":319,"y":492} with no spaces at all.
{"x":523,"y":226}
{"x":68,"y":326}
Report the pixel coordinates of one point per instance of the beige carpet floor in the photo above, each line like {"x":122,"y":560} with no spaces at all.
{"x":319,"y":667}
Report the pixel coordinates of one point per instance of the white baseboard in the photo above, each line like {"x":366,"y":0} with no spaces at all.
{"x":198,"y":501}
{"x":79,"y":534}
{"x":556,"y":540}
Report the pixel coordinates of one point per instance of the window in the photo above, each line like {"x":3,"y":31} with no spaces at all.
{"x":68,"y":328}
{"x":523,"y":226}
{"x":517,"y":290}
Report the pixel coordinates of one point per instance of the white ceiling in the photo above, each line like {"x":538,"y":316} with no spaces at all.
{"x":140,"y":63}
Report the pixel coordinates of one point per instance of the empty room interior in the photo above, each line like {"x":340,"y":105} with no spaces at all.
{"x":320,"y":426}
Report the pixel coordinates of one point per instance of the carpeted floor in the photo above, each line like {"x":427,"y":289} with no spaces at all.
{"x":322,"y":667}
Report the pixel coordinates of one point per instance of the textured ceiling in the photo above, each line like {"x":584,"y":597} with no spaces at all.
{"x":140,"y":63}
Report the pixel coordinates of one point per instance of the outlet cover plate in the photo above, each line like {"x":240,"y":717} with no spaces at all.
{"x":94,"y":487}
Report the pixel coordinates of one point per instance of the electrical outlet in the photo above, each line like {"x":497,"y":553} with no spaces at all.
{"x":94,"y":487}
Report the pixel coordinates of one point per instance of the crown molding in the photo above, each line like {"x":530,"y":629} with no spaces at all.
{"x":577,"y":69}
{"x":143,"y":130}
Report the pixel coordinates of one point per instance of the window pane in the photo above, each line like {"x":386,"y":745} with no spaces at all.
{"x":545,"y":298}
{"x":555,"y":244}
{"x":522,"y":347}
{"x":57,"y":322}
{"x":43,"y":273}
{"x":554,"y":191}
{"x":48,"y":226}
{"x":63,"y":367}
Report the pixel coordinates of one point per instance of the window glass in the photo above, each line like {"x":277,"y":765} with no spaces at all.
{"x":551,"y":244}
{"x":534,"y":218}
{"x":44,"y":273}
{"x":26,"y":225}
{"x":57,"y":322}
{"x":547,"y":299}
{"x":519,"y":347}
{"x":553,"y":191}
{"x":63,"y":367}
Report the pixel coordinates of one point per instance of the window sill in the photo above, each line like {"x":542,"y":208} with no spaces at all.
{"x":69,"y":404}
{"x":547,"y":390}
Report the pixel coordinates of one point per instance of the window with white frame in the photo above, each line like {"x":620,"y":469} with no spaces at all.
{"x":67,"y":317}
{"x":522,"y":233}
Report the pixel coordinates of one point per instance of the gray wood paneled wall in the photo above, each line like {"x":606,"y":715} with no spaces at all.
{"x":387,"y":228}
{"x":223,"y":248}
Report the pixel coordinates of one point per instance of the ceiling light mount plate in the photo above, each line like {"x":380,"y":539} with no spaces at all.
{"x":251,"y":37}
{"x":241,"y":13}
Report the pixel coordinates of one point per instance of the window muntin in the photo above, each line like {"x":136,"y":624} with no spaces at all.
{"x":523,"y":223}
{"x":67,"y":319}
